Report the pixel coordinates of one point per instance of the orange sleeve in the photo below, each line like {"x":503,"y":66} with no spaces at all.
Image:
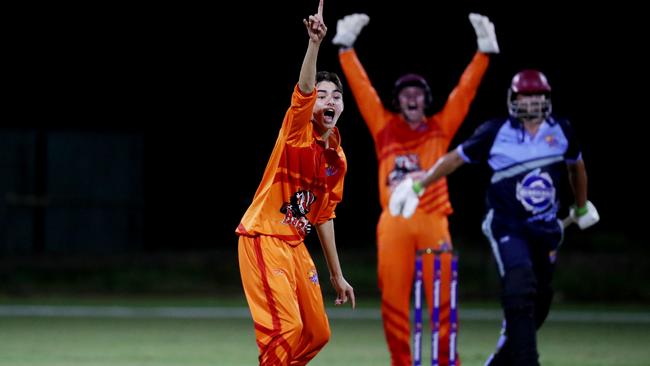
{"x":368,"y":101}
{"x":453,"y":113}
{"x":298,"y":118}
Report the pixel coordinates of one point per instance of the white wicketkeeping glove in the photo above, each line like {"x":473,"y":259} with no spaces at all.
{"x":348,"y":29}
{"x":404,"y":199}
{"x":485,"y":36}
{"x":586,"y":219}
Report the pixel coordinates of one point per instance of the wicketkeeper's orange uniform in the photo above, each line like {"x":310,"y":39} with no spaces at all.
{"x":402,"y":151}
{"x":301,"y":186}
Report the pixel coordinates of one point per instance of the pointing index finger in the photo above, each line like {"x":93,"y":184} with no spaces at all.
{"x":320,"y":9}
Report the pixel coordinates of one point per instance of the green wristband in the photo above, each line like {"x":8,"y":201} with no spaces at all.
{"x":581,"y":210}
{"x":417,"y":187}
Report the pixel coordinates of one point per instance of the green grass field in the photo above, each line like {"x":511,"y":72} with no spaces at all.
{"x":131,"y":341}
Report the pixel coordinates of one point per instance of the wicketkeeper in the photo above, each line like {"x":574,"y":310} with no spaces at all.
{"x":408,"y":140}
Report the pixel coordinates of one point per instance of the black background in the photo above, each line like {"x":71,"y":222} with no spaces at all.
{"x":207,"y":86}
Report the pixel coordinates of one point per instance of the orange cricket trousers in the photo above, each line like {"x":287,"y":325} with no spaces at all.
{"x":285,"y":300}
{"x":398,"y":240}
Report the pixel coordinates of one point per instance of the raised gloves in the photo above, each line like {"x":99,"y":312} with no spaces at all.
{"x":485,"y":36}
{"x":348,"y":29}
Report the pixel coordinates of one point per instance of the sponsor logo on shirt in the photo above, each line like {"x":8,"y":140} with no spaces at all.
{"x":332,"y":162}
{"x":295,"y":211}
{"x":551,"y":140}
{"x":404,"y":165}
{"x":536,"y":191}
{"x":331,"y":170}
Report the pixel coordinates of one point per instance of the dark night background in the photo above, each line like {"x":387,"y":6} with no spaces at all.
{"x":145,"y":129}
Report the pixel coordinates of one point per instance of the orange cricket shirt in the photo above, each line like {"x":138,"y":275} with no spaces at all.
{"x":401,"y":150}
{"x":302,"y":182}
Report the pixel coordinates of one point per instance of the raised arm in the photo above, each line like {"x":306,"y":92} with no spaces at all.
{"x":368,"y":101}
{"x":460,"y":99}
{"x":316,"y":30}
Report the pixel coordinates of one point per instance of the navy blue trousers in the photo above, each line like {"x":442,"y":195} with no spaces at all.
{"x":525,"y":254}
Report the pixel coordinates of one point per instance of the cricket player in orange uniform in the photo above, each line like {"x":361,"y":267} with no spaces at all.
{"x":407,"y":143}
{"x":301,"y":186}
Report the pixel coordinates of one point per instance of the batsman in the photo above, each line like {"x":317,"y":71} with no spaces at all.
{"x":528,"y":153}
{"x":408,"y":139}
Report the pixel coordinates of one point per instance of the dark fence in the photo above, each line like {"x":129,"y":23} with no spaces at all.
{"x":72,"y":221}
{"x":70,"y":192}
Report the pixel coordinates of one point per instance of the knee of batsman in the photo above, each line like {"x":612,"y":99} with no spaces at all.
{"x":542,"y":305}
{"x":544,"y":295}
{"x":519,"y":287}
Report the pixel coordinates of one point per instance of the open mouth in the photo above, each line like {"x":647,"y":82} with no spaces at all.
{"x":329,"y":113}
{"x":412,"y":107}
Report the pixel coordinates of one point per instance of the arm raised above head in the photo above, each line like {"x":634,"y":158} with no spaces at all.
{"x":316,"y":30}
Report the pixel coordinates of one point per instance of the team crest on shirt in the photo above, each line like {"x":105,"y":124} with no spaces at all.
{"x":404,"y":165}
{"x":536,"y":191}
{"x":331,"y":170}
{"x":295,"y":211}
{"x":551,"y":140}
{"x":332,"y":162}
{"x":313,"y":276}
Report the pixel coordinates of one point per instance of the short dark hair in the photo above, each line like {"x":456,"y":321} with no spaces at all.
{"x":331,"y":77}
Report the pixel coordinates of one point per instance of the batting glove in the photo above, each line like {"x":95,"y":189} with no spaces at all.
{"x":348,"y":29}
{"x":485,"y":36}
{"x":405,"y":198}
{"x":584,"y":216}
